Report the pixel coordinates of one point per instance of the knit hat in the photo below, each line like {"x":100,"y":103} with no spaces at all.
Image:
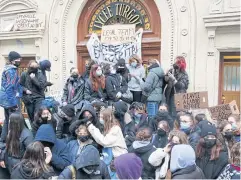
{"x":121,"y":106}
{"x":120,"y":64}
{"x":69,"y":110}
{"x":208,"y":129}
{"x":128,"y":166}
{"x":13,"y":56}
{"x":45,"y":65}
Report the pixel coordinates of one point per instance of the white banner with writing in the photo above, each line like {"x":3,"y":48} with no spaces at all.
{"x":107,"y":53}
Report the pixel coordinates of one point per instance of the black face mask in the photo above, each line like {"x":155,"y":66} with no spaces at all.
{"x":75,"y":76}
{"x":84,"y":138}
{"x":209,"y":143}
{"x":228,"y":135}
{"x":175,"y":66}
{"x":17,"y":63}
{"x":44,"y":118}
{"x":161,"y":132}
{"x":32,"y":70}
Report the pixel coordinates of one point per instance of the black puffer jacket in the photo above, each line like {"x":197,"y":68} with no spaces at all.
{"x":190,"y":172}
{"x":36,"y":85}
{"x":78,"y":86}
{"x":24,"y":171}
{"x":212,"y":168}
{"x":114,"y":84}
{"x":144,"y":152}
{"x":88,"y":157}
{"x":91,"y":95}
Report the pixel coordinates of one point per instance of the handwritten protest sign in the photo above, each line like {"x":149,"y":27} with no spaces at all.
{"x":195,"y":100}
{"x":107,"y":53}
{"x":118,"y":34}
{"x":28,"y":21}
{"x":222,"y":112}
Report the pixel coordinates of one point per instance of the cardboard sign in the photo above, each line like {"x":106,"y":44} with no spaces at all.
{"x":222,"y":112}
{"x":118,"y":34}
{"x":107,"y":53}
{"x":28,"y":21}
{"x":195,"y":100}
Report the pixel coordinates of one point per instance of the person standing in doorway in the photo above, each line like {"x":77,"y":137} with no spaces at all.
{"x":33,"y":89}
{"x":10,"y":89}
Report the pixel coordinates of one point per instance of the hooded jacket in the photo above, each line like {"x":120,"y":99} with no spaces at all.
{"x":35,"y":85}
{"x":212,"y":168}
{"x":77,"y":87}
{"x":194,"y":136}
{"x":88,"y":157}
{"x":183,"y":164}
{"x":144,"y":149}
{"x":22,"y":171}
{"x":90,"y":108}
{"x":36,"y":124}
{"x":60,"y":153}
{"x":10,"y":87}
{"x":152,"y":88}
{"x":135,"y":82}
{"x":128,"y":166}
{"x":25,"y":139}
{"x":114,"y":83}
{"x":91,"y":95}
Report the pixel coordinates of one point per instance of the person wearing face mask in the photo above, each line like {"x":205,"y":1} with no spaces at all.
{"x":137,"y":74}
{"x":60,"y":153}
{"x":43,"y":116}
{"x":33,"y":84}
{"x":176,"y":81}
{"x":210,"y":156}
{"x":11,"y":89}
{"x":95,"y":85}
{"x":192,"y":131}
{"x":160,"y":138}
{"x":64,"y":117}
{"x":83,"y":139}
{"x":88,"y":64}
{"x":115,"y":85}
{"x":87,"y":166}
{"x":182,"y":163}
{"x":234,"y":120}
{"x":143,"y":148}
{"x":122,"y":69}
{"x":73,"y":89}
{"x":152,"y":88}
{"x":226,"y":136}
{"x":45,"y":65}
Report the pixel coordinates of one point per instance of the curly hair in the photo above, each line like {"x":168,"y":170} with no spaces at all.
{"x":97,"y":82}
{"x":235,"y":154}
{"x":144,"y":134}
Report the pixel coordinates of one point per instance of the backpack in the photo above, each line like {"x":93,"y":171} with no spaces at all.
{"x":73,"y":171}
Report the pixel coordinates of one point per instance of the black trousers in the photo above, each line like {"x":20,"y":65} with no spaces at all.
{"x":33,"y":108}
{"x":136,"y":96}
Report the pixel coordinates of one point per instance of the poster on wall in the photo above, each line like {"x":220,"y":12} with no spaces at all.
{"x":194,"y":100}
{"x":118,"y":34}
{"x":29,"y":21}
{"x":222,"y":112}
{"x":108,"y":53}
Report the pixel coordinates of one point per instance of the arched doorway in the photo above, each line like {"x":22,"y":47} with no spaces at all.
{"x":143,"y":13}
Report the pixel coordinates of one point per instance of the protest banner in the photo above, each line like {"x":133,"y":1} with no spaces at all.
{"x":29,"y":21}
{"x":118,"y":34}
{"x":195,"y":100}
{"x":107,"y":53}
{"x":222,"y":112}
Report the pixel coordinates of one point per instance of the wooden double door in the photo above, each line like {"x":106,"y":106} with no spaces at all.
{"x":230,"y":78}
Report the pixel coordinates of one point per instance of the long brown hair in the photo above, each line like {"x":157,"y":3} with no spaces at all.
{"x":180,"y":134}
{"x":34,"y":157}
{"x":220,"y":128}
{"x":96,"y":81}
{"x":235,"y":154}
{"x":215,"y":151}
{"x":109,"y":119}
{"x":15,"y":128}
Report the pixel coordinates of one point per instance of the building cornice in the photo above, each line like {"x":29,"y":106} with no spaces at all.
{"x":219,"y":20}
{"x":21,"y":34}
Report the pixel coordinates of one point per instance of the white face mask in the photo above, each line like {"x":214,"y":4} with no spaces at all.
{"x":113,"y":71}
{"x":98,"y":72}
{"x":102,"y":121}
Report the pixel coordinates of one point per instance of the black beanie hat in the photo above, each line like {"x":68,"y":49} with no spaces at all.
{"x":208,"y":129}
{"x":120,"y":106}
{"x":13,"y":55}
{"x":69,"y":110}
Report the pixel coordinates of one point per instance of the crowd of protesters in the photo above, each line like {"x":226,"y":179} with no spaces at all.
{"x":114,"y":122}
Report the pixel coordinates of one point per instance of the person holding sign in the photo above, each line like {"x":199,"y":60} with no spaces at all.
{"x":176,"y":81}
{"x":137,"y":74}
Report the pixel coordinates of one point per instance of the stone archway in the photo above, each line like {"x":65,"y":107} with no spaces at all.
{"x":98,"y":12}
